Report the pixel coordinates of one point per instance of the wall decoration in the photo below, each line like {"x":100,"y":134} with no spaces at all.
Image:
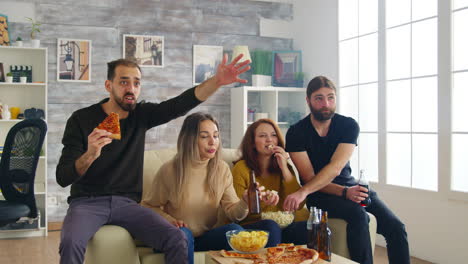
{"x":147,"y":51}
{"x":2,"y":73}
{"x":287,"y":69}
{"x":205,"y":62}
{"x":4,"y":35}
{"x":73,"y":60}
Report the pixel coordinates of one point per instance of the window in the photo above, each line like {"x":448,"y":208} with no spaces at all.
{"x":410,"y":85}
{"x":459,"y":181}
{"x":358,"y":87}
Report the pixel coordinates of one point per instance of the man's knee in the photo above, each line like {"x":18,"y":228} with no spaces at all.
{"x":71,"y":241}
{"x":175,"y":237}
{"x":358,"y":217}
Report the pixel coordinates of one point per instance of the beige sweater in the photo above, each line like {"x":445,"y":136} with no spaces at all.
{"x":199,"y":211}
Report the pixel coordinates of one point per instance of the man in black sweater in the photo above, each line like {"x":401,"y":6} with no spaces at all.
{"x":106,"y":175}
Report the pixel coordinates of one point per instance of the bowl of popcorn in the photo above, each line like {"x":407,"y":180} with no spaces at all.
{"x":282,"y":218}
{"x":247,"y":241}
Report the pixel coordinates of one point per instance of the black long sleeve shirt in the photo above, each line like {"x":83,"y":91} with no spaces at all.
{"x":119,"y":168}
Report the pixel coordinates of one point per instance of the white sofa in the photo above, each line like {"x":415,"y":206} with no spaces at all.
{"x":113,"y":244}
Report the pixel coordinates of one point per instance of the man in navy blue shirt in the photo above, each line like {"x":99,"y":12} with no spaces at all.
{"x":321,"y":146}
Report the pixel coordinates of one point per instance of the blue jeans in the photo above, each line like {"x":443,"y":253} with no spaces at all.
{"x":295,"y":233}
{"x":358,"y":237}
{"x":214,"y":239}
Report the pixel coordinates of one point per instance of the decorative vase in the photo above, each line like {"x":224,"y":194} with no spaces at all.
{"x":9,"y":79}
{"x":19,"y":43}
{"x":35,"y":43}
{"x":261,"y":80}
{"x":23,"y":79}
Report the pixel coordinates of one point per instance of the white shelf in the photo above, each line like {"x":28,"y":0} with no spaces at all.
{"x":280,"y":103}
{"x":17,"y":84}
{"x":26,"y":96}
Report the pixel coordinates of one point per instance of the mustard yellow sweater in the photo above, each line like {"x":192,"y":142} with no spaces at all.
{"x":199,"y":211}
{"x":241,"y":173}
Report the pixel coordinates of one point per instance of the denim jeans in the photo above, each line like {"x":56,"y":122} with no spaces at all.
{"x":87,"y":214}
{"x":358,"y":236}
{"x":214,"y":239}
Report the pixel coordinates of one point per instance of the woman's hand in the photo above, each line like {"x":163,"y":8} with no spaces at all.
{"x":270,"y":197}
{"x":281,"y":157}
{"x":179,"y":223}
{"x":357,"y":193}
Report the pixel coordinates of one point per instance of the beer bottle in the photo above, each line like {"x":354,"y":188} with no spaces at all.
{"x":254,"y":201}
{"x":312,"y":228}
{"x":324,"y":238}
{"x":364,"y":183}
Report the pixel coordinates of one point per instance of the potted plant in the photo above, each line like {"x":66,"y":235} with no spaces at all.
{"x":299,"y":78}
{"x":19,"y":42}
{"x":23,"y":77}
{"x":261,"y":67}
{"x":34,"y":28}
{"x":9,"y":77}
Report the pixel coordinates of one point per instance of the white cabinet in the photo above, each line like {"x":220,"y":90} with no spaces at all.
{"x":284,"y":105}
{"x":25,"y":96}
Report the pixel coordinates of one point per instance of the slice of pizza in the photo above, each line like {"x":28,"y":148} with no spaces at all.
{"x":292,"y":248}
{"x":231,"y":254}
{"x":111,"y":124}
{"x":285,"y":245}
{"x":274,"y":252}
{"x":308,"y":253}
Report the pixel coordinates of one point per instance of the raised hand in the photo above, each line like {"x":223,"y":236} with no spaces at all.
{"x":229,"y":73}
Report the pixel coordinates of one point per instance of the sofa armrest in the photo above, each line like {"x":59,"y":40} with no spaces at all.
{"x":111,"y":244}
{"x":339,"y":244}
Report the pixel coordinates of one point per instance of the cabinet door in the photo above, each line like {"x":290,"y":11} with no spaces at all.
{"x":292,"y":107}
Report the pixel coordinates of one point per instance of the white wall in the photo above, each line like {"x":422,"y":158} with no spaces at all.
{"x":315,"y":32}
{"x":437,"y":226}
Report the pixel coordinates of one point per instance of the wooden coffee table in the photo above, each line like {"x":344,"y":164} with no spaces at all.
{"x":210,"y":258}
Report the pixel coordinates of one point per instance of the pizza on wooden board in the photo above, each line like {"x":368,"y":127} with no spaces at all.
{"x":231,"y":254}
{"x":111,"y":124}
{"x":285,"y":254}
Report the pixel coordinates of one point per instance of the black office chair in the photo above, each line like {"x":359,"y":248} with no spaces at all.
{"x":18,"y":170}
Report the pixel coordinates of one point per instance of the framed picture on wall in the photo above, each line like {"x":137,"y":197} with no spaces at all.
{"x":147,"y":51}
{"x":205,"y":62}
{"x":2,"y":73}
{"x":73,"y":60}
{"x":4,"y":34}
{"x":287,"y":69}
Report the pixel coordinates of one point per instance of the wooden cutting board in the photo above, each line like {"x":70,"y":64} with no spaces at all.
{"x":222,"y":260}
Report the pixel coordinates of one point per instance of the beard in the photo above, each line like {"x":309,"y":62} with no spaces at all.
{"x":320,"y":114}
{"x":120,"y":102}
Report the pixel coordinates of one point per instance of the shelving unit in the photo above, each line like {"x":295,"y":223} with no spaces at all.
{"x":284,"y":105}
{"x":24,"y":96}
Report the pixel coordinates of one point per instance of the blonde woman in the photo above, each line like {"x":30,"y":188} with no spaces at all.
{"x":189,"y":189}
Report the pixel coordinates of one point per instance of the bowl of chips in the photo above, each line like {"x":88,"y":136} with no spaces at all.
{"x":247,"y":241}
{"x":283,"y":218}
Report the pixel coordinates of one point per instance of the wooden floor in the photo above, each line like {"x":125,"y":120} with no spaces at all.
{"x":44,"y":250}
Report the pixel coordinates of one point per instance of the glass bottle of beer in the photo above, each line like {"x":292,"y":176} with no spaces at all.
{"x":254,"y":201}
{"x":313,"y":224}
{"x":364,"y":183}
{"x":324,"y":238}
